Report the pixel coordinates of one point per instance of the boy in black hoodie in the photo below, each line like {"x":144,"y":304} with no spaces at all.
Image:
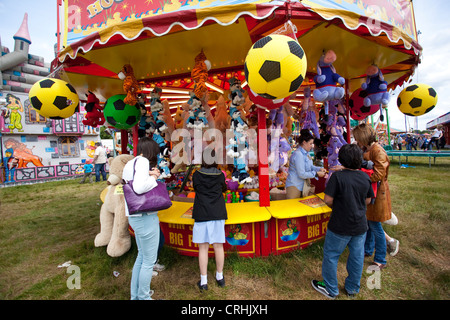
{"x":209,"y":213}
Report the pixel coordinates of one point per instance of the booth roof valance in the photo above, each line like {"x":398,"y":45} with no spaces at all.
{"x":164,"y":45}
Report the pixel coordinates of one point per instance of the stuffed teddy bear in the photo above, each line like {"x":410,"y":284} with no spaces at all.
{"x":221,"y":117}
{"x":178,"y":154}
{"x":178,"y":119}
{"x":167,"y":118}
{"x":113,"y":221}
{"x":94,"y":115}
{"x":376,"y":89}
{"x":130,"y":84}
{"x":178,"y":146}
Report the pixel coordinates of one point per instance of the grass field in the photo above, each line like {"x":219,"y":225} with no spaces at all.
{"x":44,"y":225}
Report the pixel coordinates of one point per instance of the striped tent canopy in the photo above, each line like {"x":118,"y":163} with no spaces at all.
{"x":161,"y":39}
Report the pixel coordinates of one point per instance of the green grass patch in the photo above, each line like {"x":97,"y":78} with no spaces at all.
{"x":44,"y":225}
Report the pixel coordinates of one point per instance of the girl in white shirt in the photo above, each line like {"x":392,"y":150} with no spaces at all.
{"x":145,"y":225}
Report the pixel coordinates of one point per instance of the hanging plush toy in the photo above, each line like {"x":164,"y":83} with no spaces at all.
{"x":237,"y":123}
{"x":199,"y":75}
{"x":237,"y":100}
{"x":94,"y":115}
{"x":144,"y":123}
{"x":156,"y":108}
{"x":326,"y":80}
{"x":288,"y":113}
{"x":178,"y":119}
{"x":238,"y":150}
{"x":130,"y":84}
{"x":376,"y":89}
{"x":163,"y":166}
{"x":158,"y":126}
{"x":178,"y":153}
{"x":333,"y":147}
{"x":221,"y":116}
{"x":146,"y":120}
{"x":236,"y":92}
{"x":278,"y":147}
{"x":336,"y":122}
{"x":308,"y":108}
{"x":197,"y":115}
{"x":335,"y":125}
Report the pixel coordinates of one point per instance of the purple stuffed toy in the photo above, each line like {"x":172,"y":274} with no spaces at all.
{"x":376,"y":89}
{"x":326,"y":80}
{"x":335,"y":125}
{"x":278,"y":146}
{"x":310,"y":121}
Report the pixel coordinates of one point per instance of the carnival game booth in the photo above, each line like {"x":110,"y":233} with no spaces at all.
{"x":163,"y":44}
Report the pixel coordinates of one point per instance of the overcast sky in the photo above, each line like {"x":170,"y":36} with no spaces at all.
{"x":432,"y":19}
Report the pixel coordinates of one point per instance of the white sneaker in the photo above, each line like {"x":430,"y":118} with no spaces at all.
{"x":154,"y":274}
{"x":392,"y":221}
{"x":158,"y":267}
{"x":392,"y":246}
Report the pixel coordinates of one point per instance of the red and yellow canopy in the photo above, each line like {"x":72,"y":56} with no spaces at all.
{"x":161,"y":42}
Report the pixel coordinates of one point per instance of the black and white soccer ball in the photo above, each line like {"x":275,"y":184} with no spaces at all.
{"x":417,"y":99}
{"x":275,"y":66}
{"x":54,"y":98}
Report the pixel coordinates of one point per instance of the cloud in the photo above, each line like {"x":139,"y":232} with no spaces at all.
{"x":433,"y":23}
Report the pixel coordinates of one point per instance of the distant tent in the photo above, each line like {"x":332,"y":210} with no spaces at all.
{"x":396,"y":131}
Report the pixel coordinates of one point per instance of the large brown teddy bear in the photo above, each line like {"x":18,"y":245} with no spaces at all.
{"x":113,"y":221}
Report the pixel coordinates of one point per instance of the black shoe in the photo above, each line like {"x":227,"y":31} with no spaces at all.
{"x":202,"y":287}
{"x":320,"y":287}
{"x":221,"y":282}
{"x":350,"y":295}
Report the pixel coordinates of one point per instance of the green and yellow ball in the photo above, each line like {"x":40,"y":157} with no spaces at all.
{"x":54,"y":98}
{"x":275,"y":67}
{"x":119,"y":114}
{"x":417,"y":99}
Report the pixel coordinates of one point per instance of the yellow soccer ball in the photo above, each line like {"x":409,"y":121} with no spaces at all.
{"x":275,"y":66}
{"x":54,"y":98}
{"x":417,"y":99}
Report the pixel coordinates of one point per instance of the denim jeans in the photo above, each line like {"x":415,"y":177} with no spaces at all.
{"x":100,"y":167}
{"x":332,"y":250}
{"x":146,"y":230}
{"x":376,"y":240}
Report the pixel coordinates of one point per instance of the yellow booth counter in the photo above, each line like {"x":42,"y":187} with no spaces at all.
{"x":252,"y":230}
